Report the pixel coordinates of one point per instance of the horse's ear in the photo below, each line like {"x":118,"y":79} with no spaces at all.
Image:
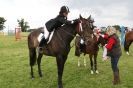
{"x":89,"y":17}
{"x":80,"y":16}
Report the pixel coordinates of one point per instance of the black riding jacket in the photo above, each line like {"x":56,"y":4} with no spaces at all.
{"x":56,"y":22}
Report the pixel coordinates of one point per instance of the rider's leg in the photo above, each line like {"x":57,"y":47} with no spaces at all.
{"x":42,"y":42}
{"x":44,"y":39}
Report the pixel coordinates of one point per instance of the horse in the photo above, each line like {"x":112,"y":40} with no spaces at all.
{"x":58,"y":47}
{"x":90,"y":47}
{"x":128,"y":41}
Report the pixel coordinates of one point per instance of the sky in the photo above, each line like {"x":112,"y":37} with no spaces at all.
{"x":37,"y":12}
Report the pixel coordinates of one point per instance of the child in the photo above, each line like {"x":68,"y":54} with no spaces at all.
{"x":54,"y":24}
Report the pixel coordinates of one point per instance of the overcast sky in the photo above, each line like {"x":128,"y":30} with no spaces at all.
{"x":37,"y":12}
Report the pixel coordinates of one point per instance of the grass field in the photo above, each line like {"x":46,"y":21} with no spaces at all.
{"x":15,"y":70}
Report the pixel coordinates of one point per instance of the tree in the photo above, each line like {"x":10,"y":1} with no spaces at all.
{"x":24,"y":25}
{"x":2,"y":21}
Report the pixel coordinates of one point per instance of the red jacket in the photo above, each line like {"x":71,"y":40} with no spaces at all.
{"x":110,"y":43}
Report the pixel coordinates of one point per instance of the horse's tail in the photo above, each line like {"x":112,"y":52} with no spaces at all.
{"x":32,"y":51}
{"x":32,"y":54}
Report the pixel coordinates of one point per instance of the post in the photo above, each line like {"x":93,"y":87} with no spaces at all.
{"x":17,"y":33}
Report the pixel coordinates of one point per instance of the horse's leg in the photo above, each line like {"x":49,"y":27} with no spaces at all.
{"x":32,"y":73}
{"x":39,"y":62}
{"x":60,"y":65}
{"x":32,"y":54}
{"x":128,"y":45}
{"x":84,"y":61}
{"x":78,"y":61}
{"x":95,"y":63}
{"x":91,"y":63}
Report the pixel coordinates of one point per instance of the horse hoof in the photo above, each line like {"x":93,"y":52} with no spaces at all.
{"x":78,"y":65}
{"x":60,"y":86}
{"x":40,"y":77}
{"x":32,"y":78}
{"x":85,"y":65}
{"x":92,"y":72}
{"x":127,"y":53}
{"x":97,"y":72}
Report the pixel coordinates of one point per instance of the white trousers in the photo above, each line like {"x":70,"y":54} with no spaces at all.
{"x":45,"y":35}
{"x":46,"y":32}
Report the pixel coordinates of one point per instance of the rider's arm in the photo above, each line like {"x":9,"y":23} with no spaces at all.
{"x":65,"y":21}
{"x":110,"y":44}
{"x":105,"y":36}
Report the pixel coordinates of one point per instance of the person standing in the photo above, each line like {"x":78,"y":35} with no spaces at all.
{"x":113,"y":50}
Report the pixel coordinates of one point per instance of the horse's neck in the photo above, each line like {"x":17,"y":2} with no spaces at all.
{"x":101,"y":41}
{"x":67,"y":33}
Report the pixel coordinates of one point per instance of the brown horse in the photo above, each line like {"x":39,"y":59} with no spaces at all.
{"x":58,"y":47}
{"x":90,"y":47}
{"x":128,"y":41}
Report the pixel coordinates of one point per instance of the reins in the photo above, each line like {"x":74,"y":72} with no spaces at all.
{"x":80,"y":26}
{"x":81,"y":29}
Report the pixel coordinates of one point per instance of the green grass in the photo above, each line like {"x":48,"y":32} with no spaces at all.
{"x":15,"y":70}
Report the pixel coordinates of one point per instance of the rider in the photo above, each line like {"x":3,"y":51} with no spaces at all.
{"x":54,"y":24}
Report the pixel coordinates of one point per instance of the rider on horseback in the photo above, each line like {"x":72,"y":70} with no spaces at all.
{"x":54,"y":24}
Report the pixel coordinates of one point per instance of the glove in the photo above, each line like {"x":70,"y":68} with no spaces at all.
{"x":76,"y":21}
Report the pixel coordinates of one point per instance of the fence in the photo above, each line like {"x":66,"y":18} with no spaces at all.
{"x":17,"y":33}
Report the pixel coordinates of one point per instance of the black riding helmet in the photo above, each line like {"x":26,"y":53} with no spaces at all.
{"x":64,"y":9}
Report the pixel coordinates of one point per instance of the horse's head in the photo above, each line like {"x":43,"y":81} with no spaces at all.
{"x":101,"y":41}
{"x":85,"y":26}
{"x":81,"y":25}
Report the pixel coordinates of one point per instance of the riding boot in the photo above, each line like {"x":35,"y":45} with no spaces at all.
{"x":42,"y":43}
{"x":116,"y":78}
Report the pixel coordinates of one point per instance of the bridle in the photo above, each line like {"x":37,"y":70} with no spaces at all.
{"x":79,"y":30}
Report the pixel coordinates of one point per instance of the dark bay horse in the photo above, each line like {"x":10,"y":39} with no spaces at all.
{"x":90,"y":47}
{"x":128,"y":41}
{"x":58,"y":47}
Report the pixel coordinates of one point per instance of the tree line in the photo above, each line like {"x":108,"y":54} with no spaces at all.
{"x":24,"y":25}
{"x":21,"y":23}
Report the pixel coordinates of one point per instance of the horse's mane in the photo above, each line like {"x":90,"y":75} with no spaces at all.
{"x":65,"y":26}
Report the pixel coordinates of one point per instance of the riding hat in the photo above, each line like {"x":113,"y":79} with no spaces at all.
{"x":64,"y":9}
